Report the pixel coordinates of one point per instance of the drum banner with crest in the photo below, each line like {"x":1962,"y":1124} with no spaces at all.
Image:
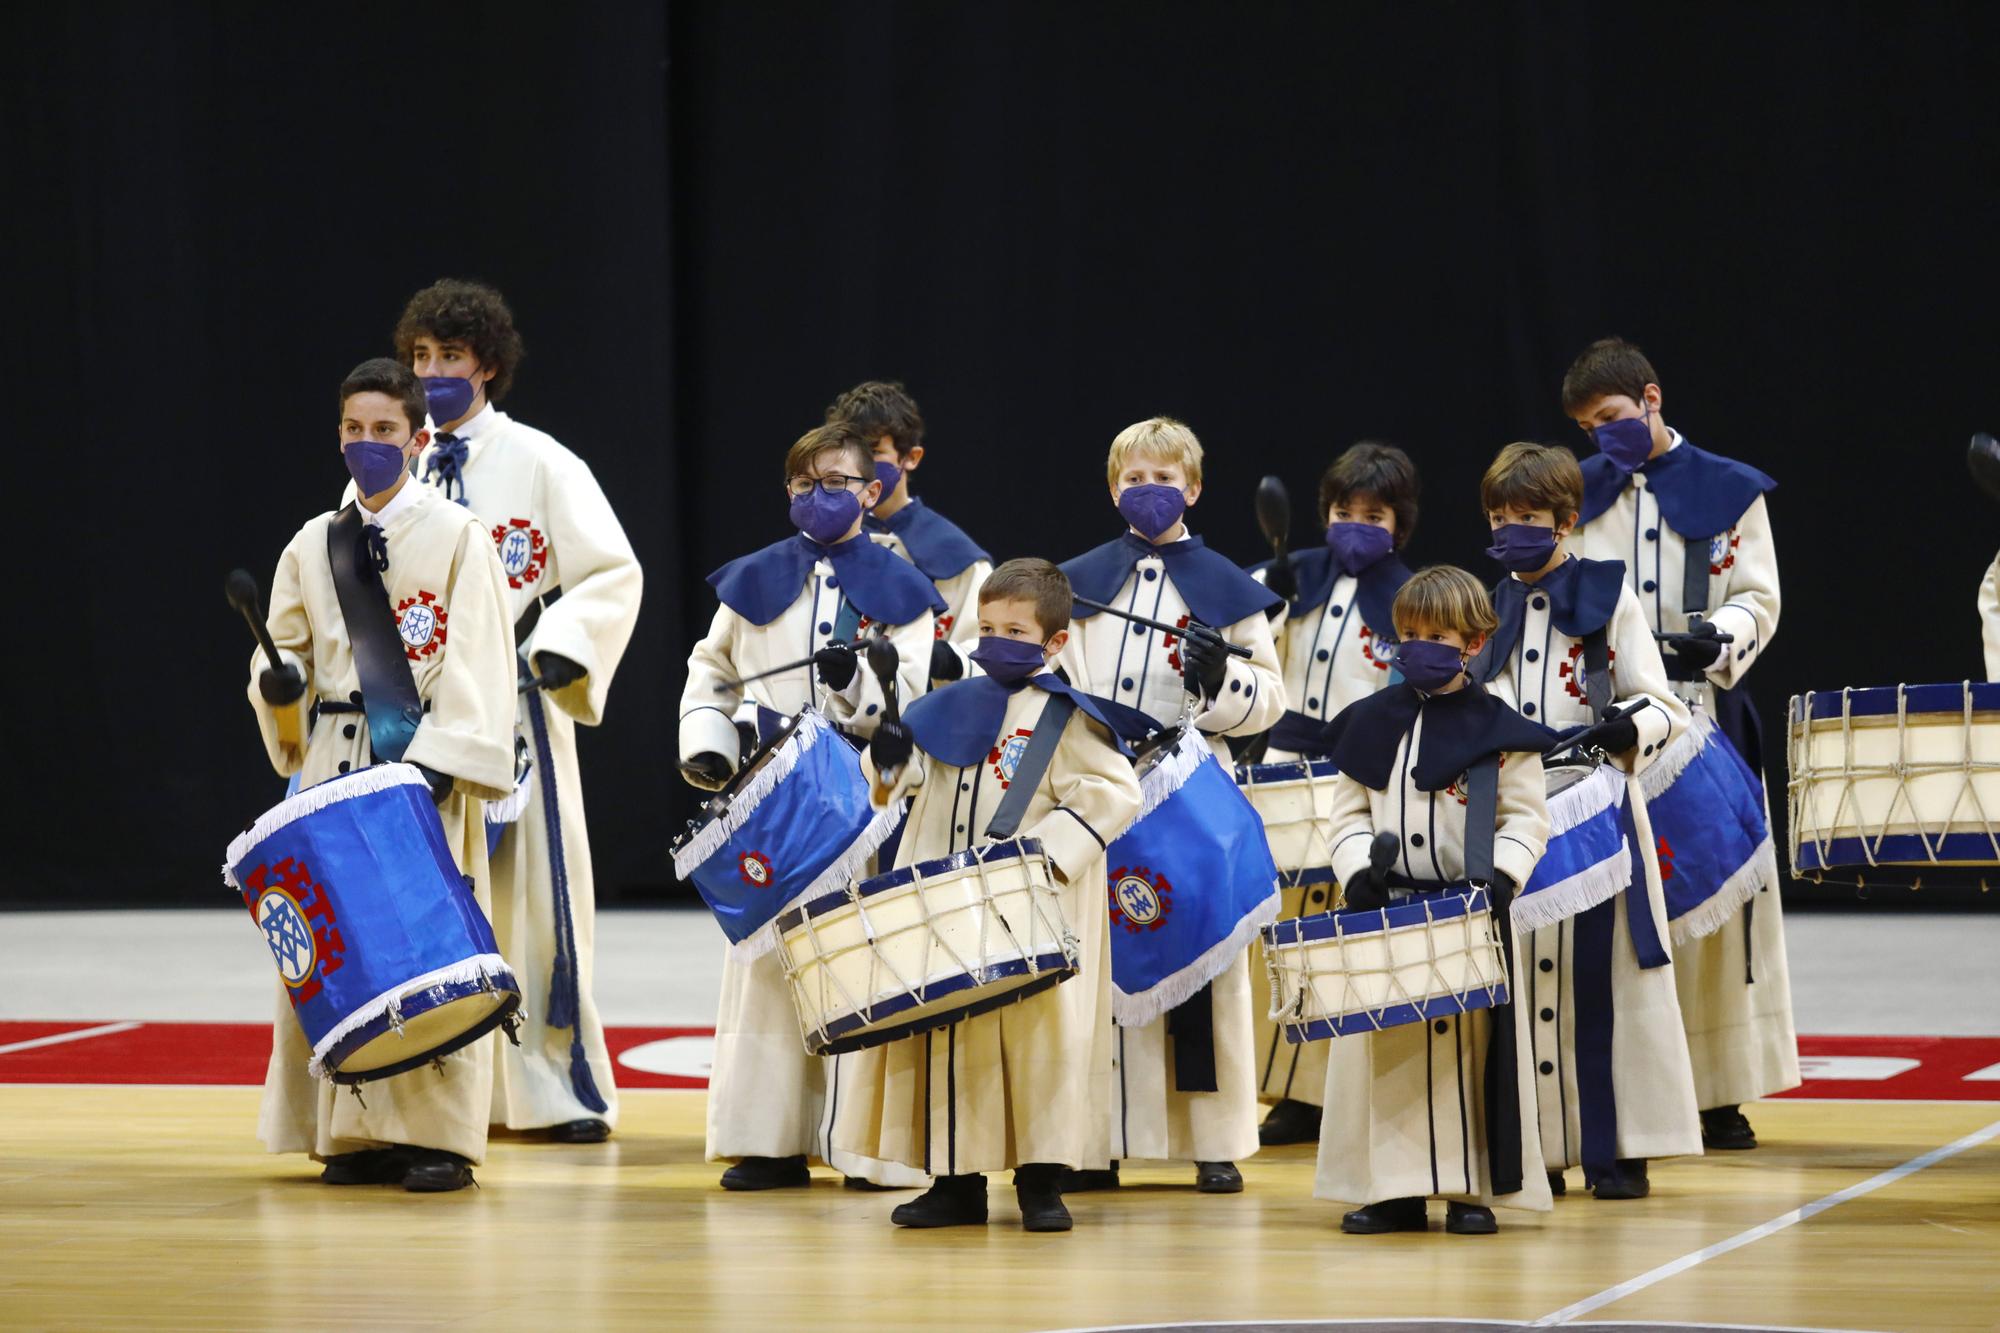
{"x":1589,"y":859}
{"x":1191,"y":883}
{"x":1712,"y":835}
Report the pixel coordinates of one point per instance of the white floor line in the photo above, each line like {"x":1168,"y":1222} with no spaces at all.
{"x":1772,"y":1227}
{"x":57,"y":1039}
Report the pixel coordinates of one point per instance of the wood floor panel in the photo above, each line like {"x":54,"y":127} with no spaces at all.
{"x":154,"y":1208}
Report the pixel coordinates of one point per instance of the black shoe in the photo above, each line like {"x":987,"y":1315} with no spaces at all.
{"x":767,"y":1173}
{"x":868,"y":1186}
{"x":580,"y":1131}
{"x":1388,"y":1215}
{"x":1218,"y":1178}
{"x":433,"y":1171}
{"x":953,"y":1201}
{"x":1036,"y":1191}
{"x":1290,"y":1122}
{"x":372,"y":1166}
{"x":1083,"y":1182}
{"x":1725,"y":1127}
{"x":1558,"y":1186}
{"x":1469,"y":1219}
{"x":1626,"y":1180}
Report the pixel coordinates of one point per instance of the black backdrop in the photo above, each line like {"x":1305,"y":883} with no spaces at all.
{"x":1293,"y":226}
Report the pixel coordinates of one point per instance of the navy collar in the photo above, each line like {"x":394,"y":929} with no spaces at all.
{"x":1700,"y":493}
{"x":1582,"y":594}
{"x":959,"y":723}
{"x":937,"y":546}
{"x":1216,"y":591}
{"x":1375,"y":587}
{"x":879,"y":584}
{"x":1460,"y":729}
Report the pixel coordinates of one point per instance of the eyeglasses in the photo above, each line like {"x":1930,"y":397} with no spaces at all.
{"x":831,"y":483}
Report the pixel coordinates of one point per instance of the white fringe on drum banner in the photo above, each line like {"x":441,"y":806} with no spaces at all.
{"x":313,"y":799}
{"x":480,"y":967}
{"x":1172,"y":773}
{"x":509,"y":810}
{"x":1135,"y":1011}
{"x":806,"y":734}
{"x":849,"y":866}
{"x":1601,"y":791}
{"x":1723,"y":905}
{"x":1660,"y":774}
{"x":1579,"y":893}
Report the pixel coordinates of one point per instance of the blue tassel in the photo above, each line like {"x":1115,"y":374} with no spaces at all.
{"x":564,"y":1000}
{"x":561,"y":1011}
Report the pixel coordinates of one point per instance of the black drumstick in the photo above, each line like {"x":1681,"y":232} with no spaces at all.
{"x":1190,"y":631}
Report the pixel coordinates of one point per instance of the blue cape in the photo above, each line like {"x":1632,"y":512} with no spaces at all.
{"x":1582,"y":595}
{"x":1216,"y":591}
{"x":1460,"y":729}
{"x":938,"y":546}
{"x":1375,"y":591}
{"x":880,"y":584}
{"x":1700,"y":493}
{"x":959,"y":723}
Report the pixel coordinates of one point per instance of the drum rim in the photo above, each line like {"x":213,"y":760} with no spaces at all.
{"x":1313,"y":768}
{"x":1365,"y":1021}
{"x":437,"y":997}
{"x":1020,"y":848}
{"x":1893,"y":851}
{"x":1880,"y":700}
{"x":832,"y":1039}
{"x":1424,"y":905}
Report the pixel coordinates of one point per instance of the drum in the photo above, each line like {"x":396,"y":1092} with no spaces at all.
{"x":1334,"y":974}
{"x":387,"y":957}
{"x":1710,"y":830}
{"x":1191,"y":882}
{"x":1897,"y":776}
{"x":925,"y":946}
{"x":1589,"y":858}
{"x":1293,"y":801}
{"x":793,"y":825}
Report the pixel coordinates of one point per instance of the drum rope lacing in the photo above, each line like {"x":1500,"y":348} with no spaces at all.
{"x":1902,"y":770}
{"x":1481,"y":954}
{"x":1317,"y":819}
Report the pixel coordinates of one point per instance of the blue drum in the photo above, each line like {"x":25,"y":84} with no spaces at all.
{"x":1709,"y":828}
{"x":1191,"y":882}
{"x":386,"y":956}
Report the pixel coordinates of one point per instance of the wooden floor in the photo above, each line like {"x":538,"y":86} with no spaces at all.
{"x":153,"y":1208}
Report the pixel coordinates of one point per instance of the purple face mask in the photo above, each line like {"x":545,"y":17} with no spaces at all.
{"x":825,"y":516}
{"x":1427,"y":664}
{"x":888,"y":474}
{"x":1008,"y":660}
{"x":1627,"y":442}
{"x":449,"y":396}
{"x":1152,"y":510}
{"x":1523,"y":547}
{"x":375,"y":466}
{"x":1358,"y":545}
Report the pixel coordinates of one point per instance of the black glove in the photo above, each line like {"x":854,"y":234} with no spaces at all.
{"x":440,"y":783}
{"x":557,"y":671}
{"x":837,"y":664}
{"x":706,"y":770}
{"x":1206,"y":661}
{"x":891,"y":746}
{"x":1280,"y":579}
{"x":1699,"y":647}
{"x":1366,"y":890}
{"x":1618,"y":737}
{"x":281,"y":685}
{"x":945,"y":664}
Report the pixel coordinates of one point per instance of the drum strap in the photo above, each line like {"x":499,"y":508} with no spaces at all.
{"x":1694,"y":577}
{"x":1048,"y":733}
{"x":1597,"y":671}
{"x":388,"y":690}
{"x":1482,"y":813}
{"x":1503,"y":1098}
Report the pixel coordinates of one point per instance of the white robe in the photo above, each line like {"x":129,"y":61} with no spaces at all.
{"x":449,"y":594}
{"x":1405,"y":1107}
{"x":1140,"y":667}
{"x":1989,"y":618}
{"x":766,"y":1096}
{"x":1029,"y":1082}
{"x":553,"y":529}
{"x":1740,"y":1036}
{"x":1331,"y":657}
{"x":1652,"y":1081}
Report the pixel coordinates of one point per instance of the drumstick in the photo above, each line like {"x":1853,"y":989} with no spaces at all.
{"x":1191,"y":631}
{"x":241,"y":590}
{"x":1983,"y":457}
{"x":1588,"y":736}
{"x":1274,"y":516}
{"x":883,"y":661}
{"x":738,"y":682}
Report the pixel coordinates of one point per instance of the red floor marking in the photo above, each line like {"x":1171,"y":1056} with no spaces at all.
{"x":236,"y":1053}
